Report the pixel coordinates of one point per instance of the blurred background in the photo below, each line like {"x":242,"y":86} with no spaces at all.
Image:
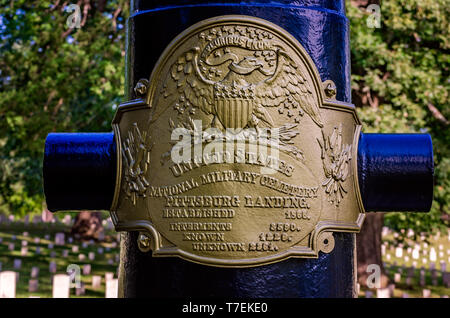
{"x":62,"y":70}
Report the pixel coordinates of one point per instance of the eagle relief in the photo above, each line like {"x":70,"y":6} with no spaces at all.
{"x":235,"y":73}
{"x":238,"y":170}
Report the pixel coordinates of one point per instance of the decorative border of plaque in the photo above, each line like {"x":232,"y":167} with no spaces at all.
{"x":237,"y":72}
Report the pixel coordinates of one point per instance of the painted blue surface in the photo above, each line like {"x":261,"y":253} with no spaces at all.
{"x":395,"y":172}
{"x":320,"y":26}
{"x":79,"y":171}
{"x":322,"y":29}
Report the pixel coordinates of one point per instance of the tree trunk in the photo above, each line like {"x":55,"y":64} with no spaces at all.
{"x":369,"y":248}
{"x":87,"y":226}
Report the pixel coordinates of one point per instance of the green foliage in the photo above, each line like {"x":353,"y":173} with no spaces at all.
{"x":53,"y":80}
{"x":400,"y":83}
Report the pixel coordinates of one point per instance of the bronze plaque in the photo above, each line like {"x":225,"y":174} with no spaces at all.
{"x":236,"y":153}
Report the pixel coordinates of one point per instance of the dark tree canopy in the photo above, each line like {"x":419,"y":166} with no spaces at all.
{"x":53,"y":79}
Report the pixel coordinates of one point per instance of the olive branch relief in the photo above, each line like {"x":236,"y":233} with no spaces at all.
{"x":335,"y":158}
{"x":136,"y":150}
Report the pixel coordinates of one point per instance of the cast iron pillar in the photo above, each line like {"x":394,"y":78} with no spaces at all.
{"x":343,"y":172}
{"x":323,"y":29}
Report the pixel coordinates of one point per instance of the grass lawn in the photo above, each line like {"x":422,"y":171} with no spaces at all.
{"x":394,"y":264}
{"x":99,"y":266}
{"x":108,"y":260}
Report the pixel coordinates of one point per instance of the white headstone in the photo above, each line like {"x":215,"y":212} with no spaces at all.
{"x":24,"y":243}
{"x":47,"y":216}
{"x":52,"y":267}
{"x":441,"y":254}
{"x":8,"y":284}
{"x":433,"y":256}
{"x":422,"y":277}
{"x":25,"y":234}
{"x":112,"y":288}
{"x":426,"y":293}
{"x":34,"y":272}
{"x":383,"y":250}
{"x":24,"y":251}
{"x":388,"y":257}
{"x":80,"y":291}
{"x":75,"y":249}
{"x":383,"y":293}
{"x":397,"y":277}
{"x":446,"y":279}
{"x":61,"y":286}
{"x":11,"y":246}
{"x":33,"y":285}
{"x":109,"y":224}
{"x":66,"y":220}
{"x":81,"y":257}
{"x":59,"y":239}
{"x":17,"y":263}
{"x":406,"y":259}
{"x":415,"y":253}
{"x":37,"y":219}
{"x":408,"y":281}
{"x":96,"y":281}
{"x":109,"y":276}
{"x":91,"y":256}
{"x":410,"y":233}
{"x":405,"y":295}
{"x":398,"y":252}
{"x":87,"y":269}
{"x":37,"y":240}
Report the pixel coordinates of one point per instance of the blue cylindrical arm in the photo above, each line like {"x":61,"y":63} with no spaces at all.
{"x":395,"y":172}
{"x":79,"y":171}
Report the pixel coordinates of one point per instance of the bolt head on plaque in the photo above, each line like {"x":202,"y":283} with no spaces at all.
{"x":236,"y":153}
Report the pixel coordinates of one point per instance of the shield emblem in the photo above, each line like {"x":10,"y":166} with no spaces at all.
{"x":234,"y":113}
